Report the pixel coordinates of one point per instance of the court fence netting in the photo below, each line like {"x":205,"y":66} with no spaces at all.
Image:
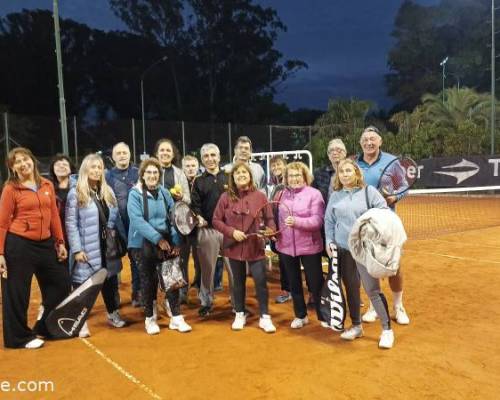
{"x":429,"y":213}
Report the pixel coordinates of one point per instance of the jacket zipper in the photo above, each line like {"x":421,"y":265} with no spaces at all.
{"x":293,"y":230}
{"x":41,"y":214}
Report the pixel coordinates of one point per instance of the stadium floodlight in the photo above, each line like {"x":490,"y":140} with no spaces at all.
{"x":443,"y":64}
{"x":164,"y":58}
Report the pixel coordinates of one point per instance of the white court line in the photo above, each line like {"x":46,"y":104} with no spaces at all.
{"x":465,"y":243}
{"x":120,"y":369}
{"x":454,"y":257}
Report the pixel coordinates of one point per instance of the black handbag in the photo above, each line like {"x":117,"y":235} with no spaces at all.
{"x":116,"y":247}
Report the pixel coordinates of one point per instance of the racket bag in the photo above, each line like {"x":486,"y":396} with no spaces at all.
{"x":66,"y":320}
{"x":332,"y":299}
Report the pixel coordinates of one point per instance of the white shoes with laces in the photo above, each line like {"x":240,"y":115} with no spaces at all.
{"x":298,"y":323}
{"x":152,"y":327}
{"x":34,"y":344}
{"x":239,"y":322}
{"x":386,"y":339}
{"x":266,"y":324}
{"x":354,"y":332}
{"x":177,"y":323}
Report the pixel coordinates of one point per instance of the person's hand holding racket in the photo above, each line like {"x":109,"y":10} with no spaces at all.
{"x":3,"y":267}
{"x":81,"y":257}
{"x":201,"y":221}
{"x":239,"y":236}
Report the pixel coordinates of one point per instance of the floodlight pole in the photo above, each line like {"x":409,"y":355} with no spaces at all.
{"x":60,"y":82}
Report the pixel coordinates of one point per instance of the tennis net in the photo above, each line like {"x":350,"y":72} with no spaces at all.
{"x":428,"y":213}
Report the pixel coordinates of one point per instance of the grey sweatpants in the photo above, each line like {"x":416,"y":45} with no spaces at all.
{"x":372,"y":289}
{"x":209,"y":245}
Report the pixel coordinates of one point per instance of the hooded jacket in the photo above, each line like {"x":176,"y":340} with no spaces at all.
{"x":376,"y":241}
{"x":29,"y":214}
{"x":307,"y":207}
{"x":230,"y":215}
{"x":159,"y":218}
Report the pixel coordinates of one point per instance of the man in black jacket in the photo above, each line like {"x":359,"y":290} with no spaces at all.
{"x":207,"y":189}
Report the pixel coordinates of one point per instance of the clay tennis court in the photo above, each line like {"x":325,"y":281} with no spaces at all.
{"x":449,"y":351}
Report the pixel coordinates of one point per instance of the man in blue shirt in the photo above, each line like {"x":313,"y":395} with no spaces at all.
{"x":372,"y":162}
{"x":122,"y":177}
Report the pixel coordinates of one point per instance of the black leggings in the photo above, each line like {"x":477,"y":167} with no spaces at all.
{"x":258,"y":271}
{"x":314,"y":276}
{"x":24,"y":259}
{"x":149,"y":284}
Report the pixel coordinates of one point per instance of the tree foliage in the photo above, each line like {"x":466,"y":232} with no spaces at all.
{"x":425,"y":35}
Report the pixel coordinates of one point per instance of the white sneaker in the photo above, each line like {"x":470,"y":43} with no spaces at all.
{"x":298,"y":323}
{"x":386,"y":339}
{"x":401,"y":316}
{"x":115,"y":320}
{"x":370,"y":315}
{"x":177,"y":323}
{"x":166,"y":308}
{"x":239,"y":322}
{"x":324,"y":324}
{"x":152,"y":327}
{"x":354,"y":332}
{"x":266,"y":324}
{"x":34,"y":344}
{"x":84,"y":331}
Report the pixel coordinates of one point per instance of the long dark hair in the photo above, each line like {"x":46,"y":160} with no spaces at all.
{"x":56,"y":158}
{"x":175,"y":150}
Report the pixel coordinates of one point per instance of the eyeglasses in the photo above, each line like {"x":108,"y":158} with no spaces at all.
{"x":336,"y":150}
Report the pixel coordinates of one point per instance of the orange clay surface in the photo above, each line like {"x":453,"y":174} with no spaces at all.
{"x":451,"y":349}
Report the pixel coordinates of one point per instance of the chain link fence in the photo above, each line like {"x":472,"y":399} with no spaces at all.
{"x":42,"y":135}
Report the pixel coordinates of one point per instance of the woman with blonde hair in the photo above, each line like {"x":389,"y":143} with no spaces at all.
{"x":234,"y":217}
{"x":31,"y":243}
{"x":90,"y":208}
{"x":300,"y":240}
{"x":352,"y":198}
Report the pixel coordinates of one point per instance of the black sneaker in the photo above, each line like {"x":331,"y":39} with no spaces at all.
{"x":204,"y":311}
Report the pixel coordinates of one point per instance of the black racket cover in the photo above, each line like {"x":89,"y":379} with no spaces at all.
{"x":67,"y":318}
{"x":332,"y":299}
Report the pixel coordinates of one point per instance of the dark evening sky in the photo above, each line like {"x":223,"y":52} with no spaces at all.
{"x":345,"y":43}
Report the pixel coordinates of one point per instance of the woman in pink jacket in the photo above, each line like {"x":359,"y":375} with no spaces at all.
{"x":234,"y":217}
{"x":300,"y":221}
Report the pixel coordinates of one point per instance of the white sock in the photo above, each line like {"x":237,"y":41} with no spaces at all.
{"x":397,"y":298}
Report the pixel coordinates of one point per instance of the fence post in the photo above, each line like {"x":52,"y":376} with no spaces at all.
{"x":75,"y":132}
{"x":270,"y":138}
{"x":133,"y":141}
{"x":183,"y":139}
{"x":229,"y":141}
{"x":7,"y":138}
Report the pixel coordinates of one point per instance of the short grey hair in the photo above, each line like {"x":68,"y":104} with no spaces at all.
{"x":372,"y":129}
{"x":120,"y":144}
{"x":207,"y":146}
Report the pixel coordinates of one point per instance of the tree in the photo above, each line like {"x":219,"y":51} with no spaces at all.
{"x":425,"y":35}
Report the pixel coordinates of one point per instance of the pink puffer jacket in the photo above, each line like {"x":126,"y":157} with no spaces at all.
{"x":308,"y":208}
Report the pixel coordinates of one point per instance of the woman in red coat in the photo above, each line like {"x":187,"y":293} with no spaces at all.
{"x":31,"y":242}
{"x":234,"y":217}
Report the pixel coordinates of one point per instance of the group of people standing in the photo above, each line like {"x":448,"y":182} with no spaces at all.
{"x":137,"y":202}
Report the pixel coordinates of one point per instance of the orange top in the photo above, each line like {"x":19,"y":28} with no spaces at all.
{"x":32,"y":215}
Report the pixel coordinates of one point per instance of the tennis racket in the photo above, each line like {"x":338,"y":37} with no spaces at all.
{"x":398,"y":177}
{"x":184,"y":218}
{"x":332,"y":299}
{"x":258,"y":227}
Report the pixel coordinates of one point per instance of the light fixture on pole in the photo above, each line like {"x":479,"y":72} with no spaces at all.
{"x":443,"y":64}
{"x":164,"y":58}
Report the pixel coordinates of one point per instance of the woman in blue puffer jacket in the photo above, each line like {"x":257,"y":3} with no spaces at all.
{"x":150,"y":231}
{"x":90,"y":207}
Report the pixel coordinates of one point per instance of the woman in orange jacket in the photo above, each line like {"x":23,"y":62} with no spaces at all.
{"x":31,"y":242}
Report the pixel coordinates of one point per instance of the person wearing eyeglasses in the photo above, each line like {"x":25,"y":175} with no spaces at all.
{"x":372,"y":161}
{"x":235,"y":217}
{"x":301,"y":213}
